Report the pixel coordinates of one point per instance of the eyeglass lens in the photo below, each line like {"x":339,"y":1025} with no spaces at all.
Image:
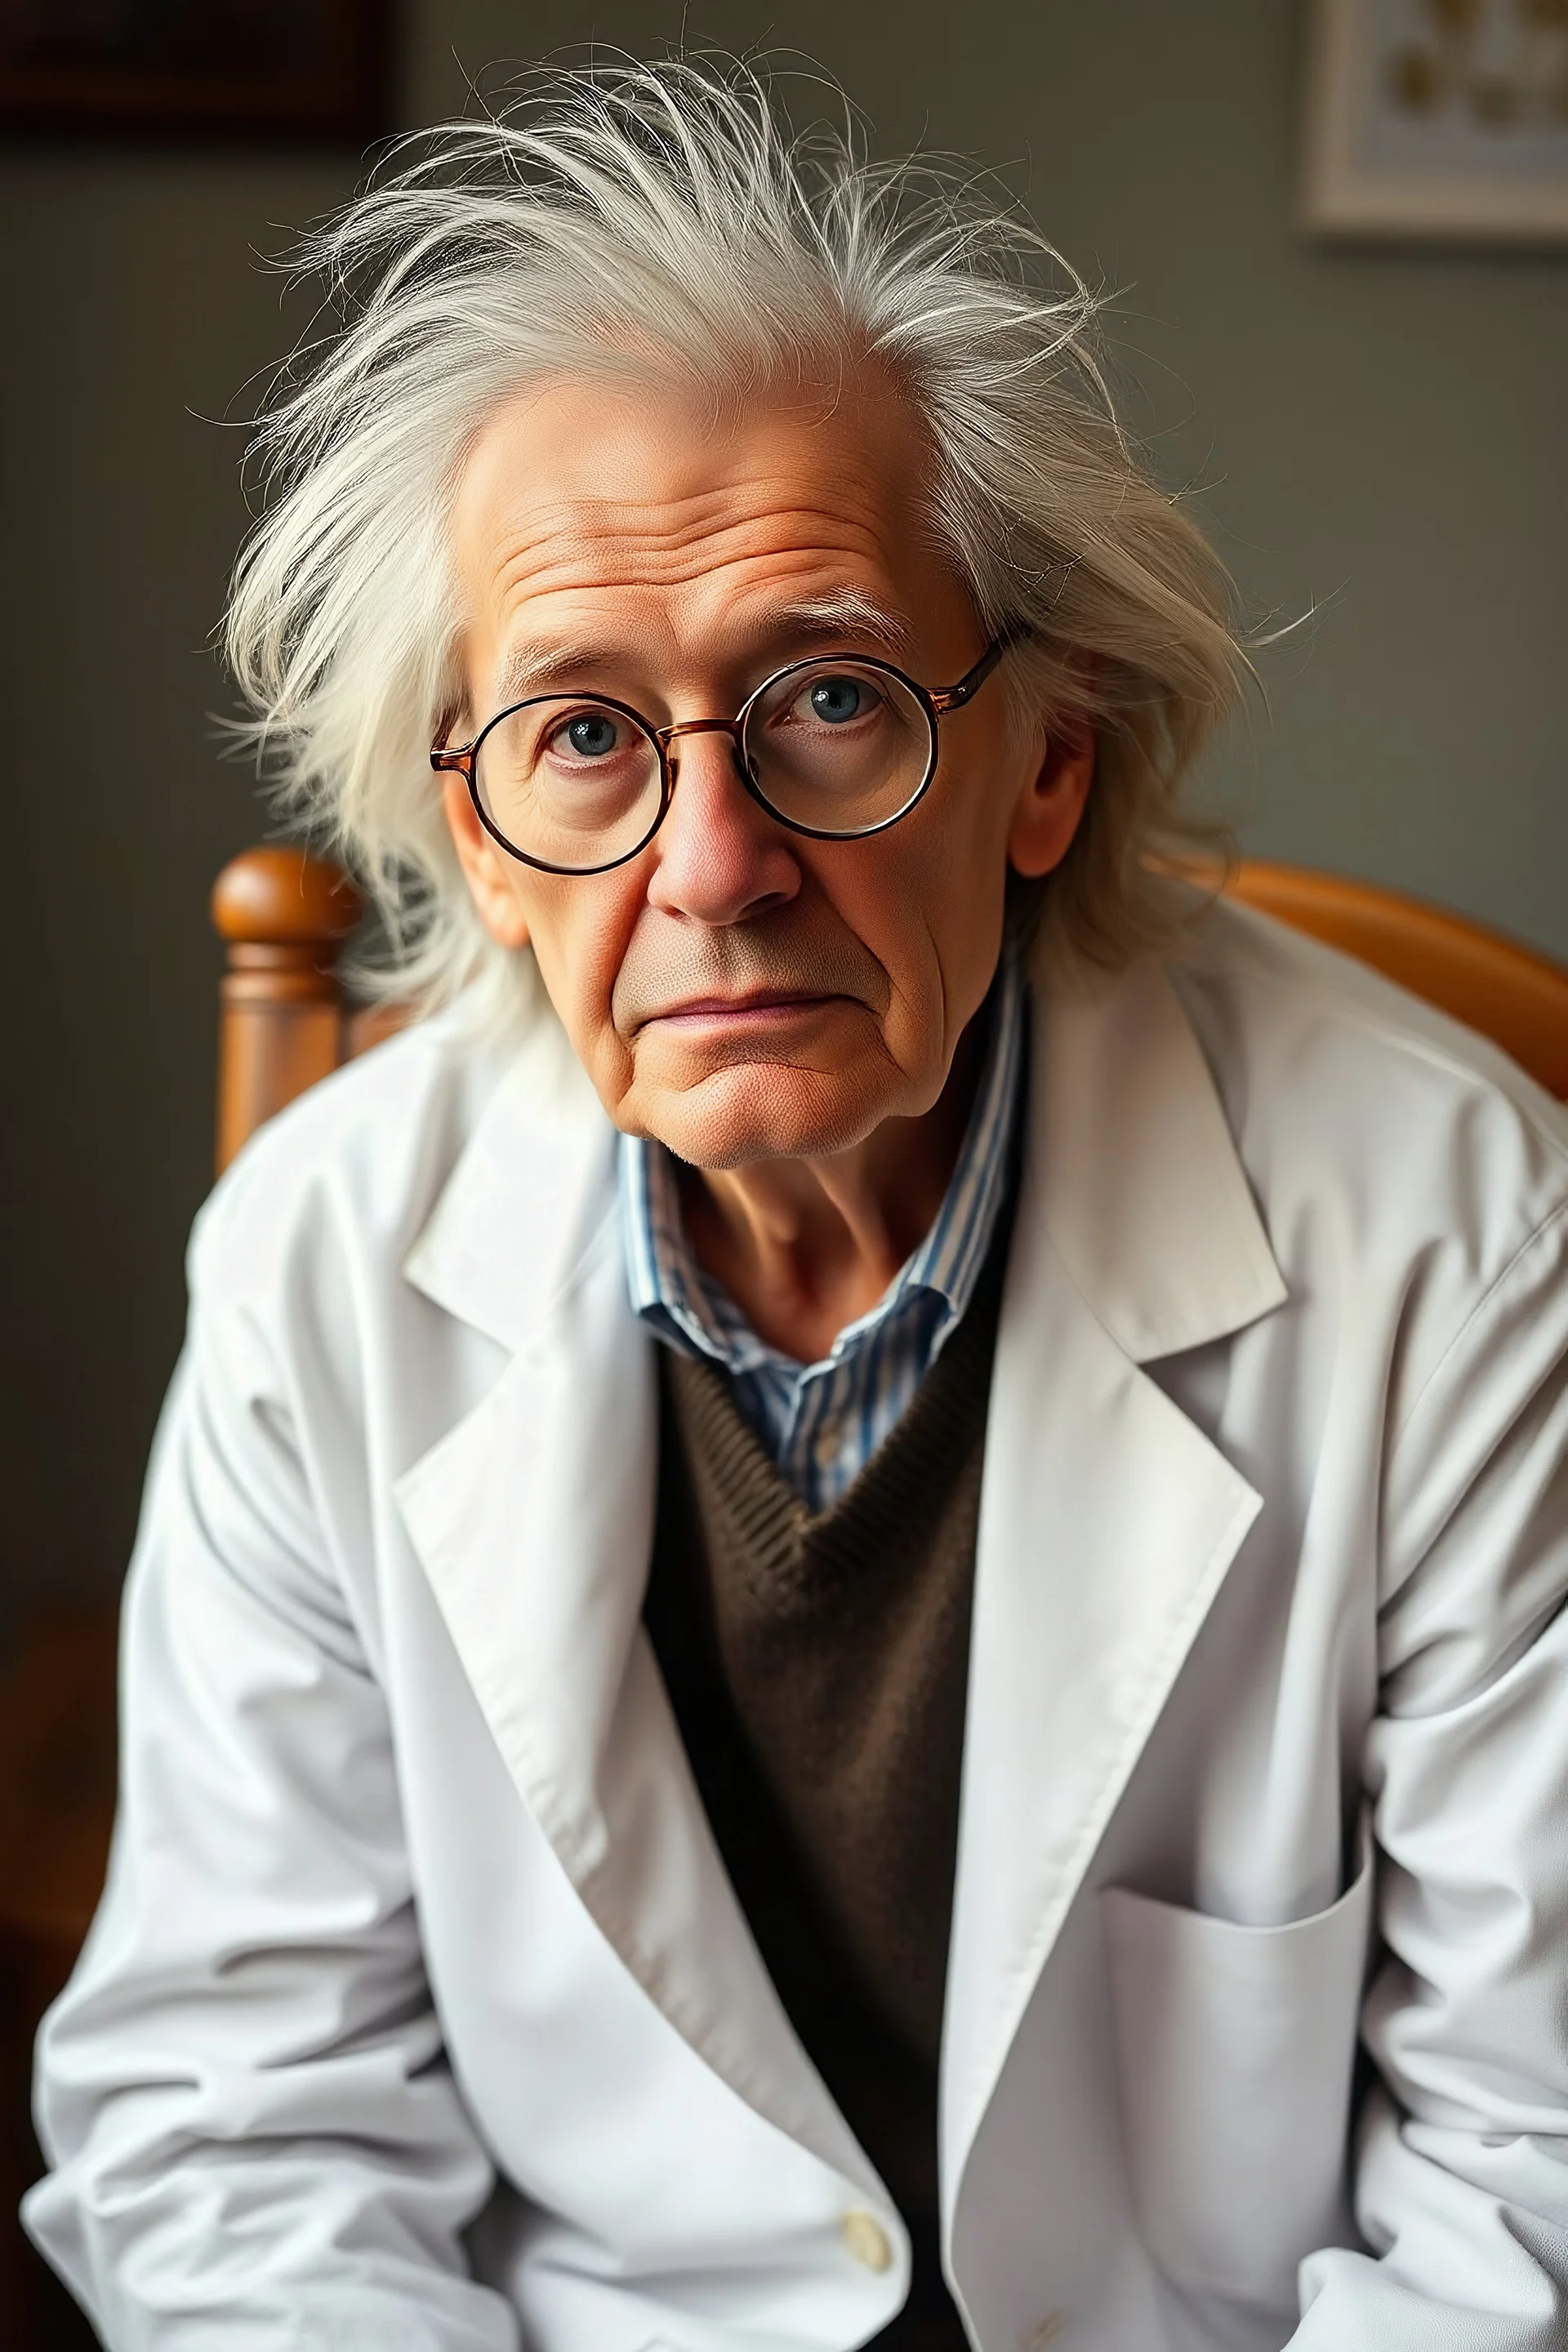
{"x":837,"y":747}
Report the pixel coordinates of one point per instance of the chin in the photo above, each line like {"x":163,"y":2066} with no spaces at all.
{"x":764,"y":1111}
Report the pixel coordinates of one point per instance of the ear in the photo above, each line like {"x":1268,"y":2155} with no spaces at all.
{"x":490,"y":875}
{"x":1048,"y":811}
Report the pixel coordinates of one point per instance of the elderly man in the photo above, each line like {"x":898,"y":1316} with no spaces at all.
{"x":849,"y":1574}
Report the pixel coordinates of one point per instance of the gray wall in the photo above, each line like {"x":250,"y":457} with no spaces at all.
{"x":1376,"y":435}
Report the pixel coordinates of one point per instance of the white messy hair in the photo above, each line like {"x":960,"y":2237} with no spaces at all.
{"x":667,"y":214}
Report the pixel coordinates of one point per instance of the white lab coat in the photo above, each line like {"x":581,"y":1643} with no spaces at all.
{"x":419,"y":2012}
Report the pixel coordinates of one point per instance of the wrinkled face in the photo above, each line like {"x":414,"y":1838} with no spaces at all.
{"x":739,"y":991}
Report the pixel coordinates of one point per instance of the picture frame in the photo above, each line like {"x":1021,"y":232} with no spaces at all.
{"x":288,"y":70}
{"x":1443,"y":120}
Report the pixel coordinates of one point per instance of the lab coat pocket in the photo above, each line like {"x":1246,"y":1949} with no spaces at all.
{"x":1236,"y":2048}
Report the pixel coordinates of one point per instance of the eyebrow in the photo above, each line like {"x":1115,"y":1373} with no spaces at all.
{"x":828,"y":620}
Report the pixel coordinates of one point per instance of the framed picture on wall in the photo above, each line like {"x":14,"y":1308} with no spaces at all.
{"x":205,"y":68}
{"x":1441,"y":119}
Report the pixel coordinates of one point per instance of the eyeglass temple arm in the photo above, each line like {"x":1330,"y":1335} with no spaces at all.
{"x":453,"y":764}
{"x":970,"y":683}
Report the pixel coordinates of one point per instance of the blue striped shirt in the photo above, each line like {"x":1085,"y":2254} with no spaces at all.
{"x":821,"y":1423}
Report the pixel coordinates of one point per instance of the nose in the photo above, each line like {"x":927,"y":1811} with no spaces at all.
{"x":719,"y":858}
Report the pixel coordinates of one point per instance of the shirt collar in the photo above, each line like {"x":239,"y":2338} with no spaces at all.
{"x":669,"y":1289}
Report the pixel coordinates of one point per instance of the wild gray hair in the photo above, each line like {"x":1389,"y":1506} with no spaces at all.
{"x":669,"y":210}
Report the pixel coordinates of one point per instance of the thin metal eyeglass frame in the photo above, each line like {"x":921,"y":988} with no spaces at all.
{"x":463,"y":760}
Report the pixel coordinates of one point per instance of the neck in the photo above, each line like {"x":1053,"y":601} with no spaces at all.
{"x":806,"y":1246}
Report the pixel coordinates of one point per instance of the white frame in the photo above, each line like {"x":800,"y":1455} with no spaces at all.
{"x":1341,"y":199}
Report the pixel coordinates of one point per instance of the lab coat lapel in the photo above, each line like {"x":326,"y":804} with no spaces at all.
{"x":1108,"y":1520}
{"x":527,"y":1512}
{"x":534,"y":1519}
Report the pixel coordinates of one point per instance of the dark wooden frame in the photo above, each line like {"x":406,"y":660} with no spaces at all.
{"x":343,"y":96}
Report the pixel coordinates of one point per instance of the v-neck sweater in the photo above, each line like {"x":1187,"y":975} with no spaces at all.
{"x":816,"y":1664}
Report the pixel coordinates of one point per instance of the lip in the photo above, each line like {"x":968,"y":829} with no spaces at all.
{"x":759,"y":1005}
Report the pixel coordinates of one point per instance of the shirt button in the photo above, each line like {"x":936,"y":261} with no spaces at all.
{"x":868,"y":2241}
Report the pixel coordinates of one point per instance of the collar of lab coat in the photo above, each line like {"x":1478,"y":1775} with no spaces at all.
{"x":1108,"y":1522}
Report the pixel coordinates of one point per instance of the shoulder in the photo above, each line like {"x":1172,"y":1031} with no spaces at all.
{"x":1410,"y":1178}
{"x":1330,"y":1071}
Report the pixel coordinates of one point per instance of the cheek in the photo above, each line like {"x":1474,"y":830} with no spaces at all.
{"x":580,"y":931}
{"x":979,"y":793}
{"x":938,"y":897}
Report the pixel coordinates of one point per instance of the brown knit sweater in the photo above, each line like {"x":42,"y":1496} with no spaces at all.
{"x":817,"y":1665}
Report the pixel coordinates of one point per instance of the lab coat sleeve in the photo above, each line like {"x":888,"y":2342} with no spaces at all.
{"x":254,"y":2137}
{"x":1462,"y":2168}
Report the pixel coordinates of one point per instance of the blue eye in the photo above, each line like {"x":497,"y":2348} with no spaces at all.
{"x":592,"y":736}
{"x":838,"y":699}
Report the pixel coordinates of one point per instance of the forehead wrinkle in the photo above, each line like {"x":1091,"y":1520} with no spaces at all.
{"x":579,"y":558}
{"x":829,"y":617}
{"x":772,"y":503}
{"x":729,"y":580}
{"x":756,"y":495}
{"x":696,"y":513}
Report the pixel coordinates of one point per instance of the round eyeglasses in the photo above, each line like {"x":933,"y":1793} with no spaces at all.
{"x":836,"y":748}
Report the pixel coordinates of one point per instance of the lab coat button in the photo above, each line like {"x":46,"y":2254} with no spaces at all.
{"x":868,"y":2241}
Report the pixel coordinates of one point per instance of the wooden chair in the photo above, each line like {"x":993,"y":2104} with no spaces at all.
{"x":284,"y":1024}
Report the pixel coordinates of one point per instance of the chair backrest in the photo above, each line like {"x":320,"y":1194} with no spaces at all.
{"x":1512,"y":995}
{"x":284,"y":1023}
